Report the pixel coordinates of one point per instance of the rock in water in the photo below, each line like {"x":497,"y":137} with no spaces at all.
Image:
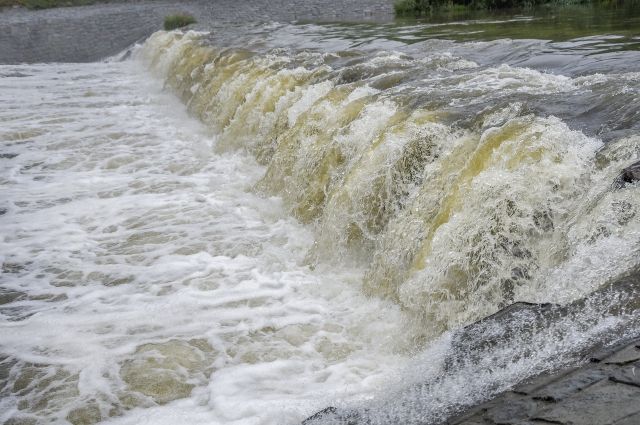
{"x":628,"y":175}
{"x":331,"y":415}
{"x":323,"y":414}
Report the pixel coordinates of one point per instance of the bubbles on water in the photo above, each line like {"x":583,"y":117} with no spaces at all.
{"x":185,"y":286}
{"x":140,"y":270}
{"x":168,"y":371}
{"x":457,"y":222}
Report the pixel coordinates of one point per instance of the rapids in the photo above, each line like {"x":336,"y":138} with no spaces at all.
{"x":214,"y":233}
{"x":438,"y":207}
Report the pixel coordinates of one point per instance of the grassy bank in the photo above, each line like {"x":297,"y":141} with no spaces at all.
{"x":428,"y":7}
{"x":44,"y":4}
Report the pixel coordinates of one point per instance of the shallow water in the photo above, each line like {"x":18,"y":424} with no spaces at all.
{"x":247,"y":229}
{"x":126,"y":238}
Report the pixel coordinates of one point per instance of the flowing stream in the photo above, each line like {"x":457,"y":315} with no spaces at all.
{"x":247,"y":227}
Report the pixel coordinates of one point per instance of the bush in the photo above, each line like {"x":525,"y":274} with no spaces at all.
{"x":179,"y":20}
{"x":428,"y":7}
{"x":417,"y":7}
{"x":8,"y":3}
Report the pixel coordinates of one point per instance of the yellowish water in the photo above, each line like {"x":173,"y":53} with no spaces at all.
{"x":315,"y":232}
{"x":451,"y":222}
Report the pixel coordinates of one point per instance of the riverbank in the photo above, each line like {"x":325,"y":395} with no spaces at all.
{"x":45,"y":4}
{"x":429,"y":8}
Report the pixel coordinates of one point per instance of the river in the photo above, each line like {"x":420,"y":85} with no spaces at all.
{"x":249,"y":222}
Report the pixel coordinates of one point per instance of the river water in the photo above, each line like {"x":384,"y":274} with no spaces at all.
{"x":247,"y":224}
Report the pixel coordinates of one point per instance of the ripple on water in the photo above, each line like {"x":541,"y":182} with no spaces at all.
{"x":139,"y":269}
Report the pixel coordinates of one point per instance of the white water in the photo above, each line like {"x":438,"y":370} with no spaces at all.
{"x":125,"y":229}
{"x":149,"y":283}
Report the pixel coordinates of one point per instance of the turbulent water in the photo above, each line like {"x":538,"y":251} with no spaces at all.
{"x":212,"y":234}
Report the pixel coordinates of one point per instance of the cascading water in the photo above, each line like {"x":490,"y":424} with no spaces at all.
{"x":316,"y":235}
{"x":443,"y":213}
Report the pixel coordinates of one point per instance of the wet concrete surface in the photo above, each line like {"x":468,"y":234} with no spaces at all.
{"x":601,"y":387}
{"x":604,"y":391}
{"x":90,"y":33}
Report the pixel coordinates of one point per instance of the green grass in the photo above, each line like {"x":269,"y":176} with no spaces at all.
{"x":429,"y":7}
{"x":179,"y":20}
{"x":44,"y":4}
{"x":414,"y":7}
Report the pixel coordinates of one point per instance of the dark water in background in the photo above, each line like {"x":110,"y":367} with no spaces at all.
{"x":81,"y":34}
{"x":357,"y":188}
{"x":570,"y":41}
{"x":84,"y":34}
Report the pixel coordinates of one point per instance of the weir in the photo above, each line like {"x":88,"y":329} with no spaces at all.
{"x":444,"y":208}
{"x":260,"y":222}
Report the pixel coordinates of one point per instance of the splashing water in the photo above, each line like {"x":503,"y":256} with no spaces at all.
{"x":310,"y":227}
{"x":446,"y":212}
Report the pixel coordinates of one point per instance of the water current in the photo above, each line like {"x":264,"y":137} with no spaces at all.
{"x":247,"y":226}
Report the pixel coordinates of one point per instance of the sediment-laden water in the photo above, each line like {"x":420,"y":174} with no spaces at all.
{"x":215,"y":231}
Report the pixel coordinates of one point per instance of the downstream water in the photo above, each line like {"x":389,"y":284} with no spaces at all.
{"x":245,"y":225}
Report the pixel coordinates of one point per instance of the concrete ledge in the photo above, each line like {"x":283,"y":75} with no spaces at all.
{"x":604,"y":391}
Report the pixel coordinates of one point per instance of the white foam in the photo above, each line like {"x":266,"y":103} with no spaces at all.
{"x":138,"y":253}
{"x":117,"y":204}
